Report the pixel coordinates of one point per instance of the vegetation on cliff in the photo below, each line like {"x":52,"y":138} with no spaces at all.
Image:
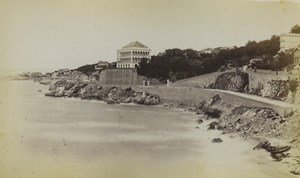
{"x":176,"y":64}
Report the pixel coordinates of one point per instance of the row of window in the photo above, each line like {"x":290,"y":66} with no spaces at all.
{"x":123,"y":65}
{"x":140,"y":53}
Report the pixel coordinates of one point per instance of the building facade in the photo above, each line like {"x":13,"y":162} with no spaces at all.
{"x":296,"y":55}
{"x":130,"y":55}
{"x":289,"y":41}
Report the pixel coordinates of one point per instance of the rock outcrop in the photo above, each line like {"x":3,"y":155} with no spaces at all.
{"x":276,"y":89}
{"x":109,"y":94}
{"x":283,"y":90}
{"x":252,"y":120}
{"x":232,"y":81}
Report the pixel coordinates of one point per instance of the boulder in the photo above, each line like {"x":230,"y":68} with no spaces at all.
{"x":212,"y":101}
{"x":152,"y":100}
{"x":110,"y":102}
{"x":138,"y":98}
{"x":200,"y":121}
{"x":103,"y":92}
{"x":89,"y":92}
{"x":232,"y":81}
{"x":121,"y":95}
{"x":59,"y":92}
{"x":217,"y":140}
{"x":51,"y":93}
{"x":213,"y":125}
{"x":75,"y":90}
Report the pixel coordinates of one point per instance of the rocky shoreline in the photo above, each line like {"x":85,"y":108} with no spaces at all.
{"x":109,"y":94}
{"x":260,"y":124}
{"x":263,"y":125}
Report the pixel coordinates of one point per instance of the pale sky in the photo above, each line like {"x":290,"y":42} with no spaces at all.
{"x":46,"y":35}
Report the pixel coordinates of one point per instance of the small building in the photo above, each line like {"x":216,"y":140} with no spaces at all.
{"x":296,"y":55}
{"x":296,"y":72}
{"x":289,"y":41}
{"x":101,"y":65}
{"x":130,"y":55}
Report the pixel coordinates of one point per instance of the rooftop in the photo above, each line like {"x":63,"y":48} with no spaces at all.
{"x":135,"y":44}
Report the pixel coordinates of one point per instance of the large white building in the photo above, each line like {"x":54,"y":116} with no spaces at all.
{"x":130,"y":55}
{"x":289,"y":41}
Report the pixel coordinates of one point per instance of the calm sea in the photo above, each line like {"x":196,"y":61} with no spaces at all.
{"x":62,"y":137}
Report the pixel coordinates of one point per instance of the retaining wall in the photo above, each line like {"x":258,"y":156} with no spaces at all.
{"x":196,"y":95}
{"x":119,"y":77}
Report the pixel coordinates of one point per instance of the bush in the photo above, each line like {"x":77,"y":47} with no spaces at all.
{"x":293,"y":85}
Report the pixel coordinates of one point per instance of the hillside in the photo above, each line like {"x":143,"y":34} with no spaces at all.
{"x":260,"y":76}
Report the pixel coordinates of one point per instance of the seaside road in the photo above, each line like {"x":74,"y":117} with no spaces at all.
{"x":268,"y":101}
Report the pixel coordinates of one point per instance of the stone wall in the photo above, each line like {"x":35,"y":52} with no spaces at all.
{"x":119,"y":77}
{"x":188,"y":95}
{"x":124,"y":77}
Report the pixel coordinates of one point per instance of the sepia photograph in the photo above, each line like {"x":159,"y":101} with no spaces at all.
{"x":149,"y":88}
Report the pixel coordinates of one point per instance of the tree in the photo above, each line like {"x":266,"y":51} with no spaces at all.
{"x":177,"y":64}
{"x":87,"y":69}
{"x":282,"y":60}
{"x":295,"y":29}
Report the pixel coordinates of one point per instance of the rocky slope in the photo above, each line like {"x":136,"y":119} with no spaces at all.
{"x":265,"y":122}
{"x":252,"y":120}
{"x":283,"y":90}
{"x":278,"y":135}
{"x":109,"y":94}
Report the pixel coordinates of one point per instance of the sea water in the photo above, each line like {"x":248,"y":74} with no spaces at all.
{"x":64,"y":137}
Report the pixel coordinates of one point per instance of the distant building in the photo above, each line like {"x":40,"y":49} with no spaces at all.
{"x":101,"y":65}
{"x":289,"y":41}
{"x":130,"y":55}
{"x":296,"y":55}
